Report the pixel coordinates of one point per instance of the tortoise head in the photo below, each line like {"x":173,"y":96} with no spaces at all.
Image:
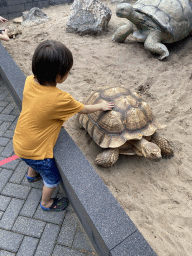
{"x":124,"y":10}
{"x":151,"y":151}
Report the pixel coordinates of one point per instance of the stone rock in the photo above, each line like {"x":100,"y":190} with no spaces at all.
{"x":34,"y":16}
{"x":18,"y":20}
{"x":88,"y":17}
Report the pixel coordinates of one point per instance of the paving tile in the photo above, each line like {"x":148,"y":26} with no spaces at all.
{"x":1,"y":109}
{"x":28,"y":246}
{"x":8,"y":108}
{"x":8,"y":150}
{"x":3,"y":103}
{"x":11,"y":214}
{"x":3,"y":95}
{"x":15,"y":112}
{"x":8,"y":118}
{"x":4,"y":141}
{"x":13,"y":125}
{"x":29,"y":227}
{"x":19,"y":173}
{"x":11,"y":165}
{"x":4,"y":177}
{"x":10,"y":241}
{"x":15,"y":190}
{"x":9,"y":134}
{"x":1,"y":215}
{"x":37,"y":184}
{"x":31,"y":203}
{"x":61,"y":250}
{"x":81,"y":241}
{"x":4,"y":202}
{"x":4,"y":126}
{"x":68,"y":229}
{"x":47,"y":240}
{"x":5,"y":253}
{"x":52,"y":217}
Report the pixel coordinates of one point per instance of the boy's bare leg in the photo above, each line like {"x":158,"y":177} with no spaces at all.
{"x":47,"y":201}
{"x":32,"y":173}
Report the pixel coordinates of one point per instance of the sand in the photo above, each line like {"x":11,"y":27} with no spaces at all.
{"x":157,"y":196}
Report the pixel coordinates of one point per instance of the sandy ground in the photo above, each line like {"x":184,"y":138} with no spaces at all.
{"x":156,"y":196}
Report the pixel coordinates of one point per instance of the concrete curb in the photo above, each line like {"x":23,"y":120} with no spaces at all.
{"x":107,"y":225}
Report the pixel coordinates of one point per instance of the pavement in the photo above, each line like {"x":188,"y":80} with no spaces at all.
{"x":25,"y":229}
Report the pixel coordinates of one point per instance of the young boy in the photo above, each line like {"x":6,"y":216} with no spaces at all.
{"x":44,"y":109}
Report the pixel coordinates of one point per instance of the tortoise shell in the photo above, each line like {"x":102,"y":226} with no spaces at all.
{"x":130,"y":119}
{"x":175,"y":16}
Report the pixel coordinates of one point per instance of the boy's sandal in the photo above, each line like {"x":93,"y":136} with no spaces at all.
{"x":58,"y":205}
{"x":33,"y":179}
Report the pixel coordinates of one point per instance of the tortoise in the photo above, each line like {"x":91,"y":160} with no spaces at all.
{"x":130,"y":128}
{"x":155,"y":22}
{"x":13,"y":30}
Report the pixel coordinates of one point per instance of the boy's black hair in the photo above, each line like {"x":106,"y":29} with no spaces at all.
{"x":51,"y":60}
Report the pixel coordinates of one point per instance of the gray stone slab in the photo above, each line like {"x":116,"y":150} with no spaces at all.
{"x":19,"y":173}
{"x":10,"y":241}
{"x":47,"y":241}
{"x":11,"y":214}
{"x":31,"y":203}
{"x":68,"y":229}
{"x":8,"y":150}
{"x":28,"y":246}
{"x":61,"y":250}
{"x":81,"y":241}
{"x":12,"y":76}
{"x":29,"y":227}
{"x":132,"y":246}
{"x":4,"y":202}
{"x":104,"y":220}
{"x":15,"y":190}
{"x":52,"y":217}
{"x":4,"y":177}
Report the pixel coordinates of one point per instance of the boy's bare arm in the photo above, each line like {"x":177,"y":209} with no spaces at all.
{"x":93,"y":108}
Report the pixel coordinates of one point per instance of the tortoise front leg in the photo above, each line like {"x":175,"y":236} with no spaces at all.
{"x":108,"y":157}
{"x":166,"y":146}
{"x":123,"y":32}
{"x":154,"y":45}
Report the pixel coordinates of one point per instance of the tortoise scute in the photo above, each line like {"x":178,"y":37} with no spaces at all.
{"x":136,"y":120}
{"x":111,"y":122}
{"x":147,"y":110}
{"x":92,"y":98}
{"x":113,"y":92}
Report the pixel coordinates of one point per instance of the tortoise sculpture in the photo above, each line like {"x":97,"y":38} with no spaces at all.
{"x":128,"y":129}
{"x":155,"y":22}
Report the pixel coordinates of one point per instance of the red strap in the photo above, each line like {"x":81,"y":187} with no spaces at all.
{"x":9,"y":159}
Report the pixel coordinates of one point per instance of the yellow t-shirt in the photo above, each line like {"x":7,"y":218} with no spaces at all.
{"x":44,"y":109}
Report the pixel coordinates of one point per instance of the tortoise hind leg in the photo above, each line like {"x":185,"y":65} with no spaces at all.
{"x":108,"y":157}
{"x":123,"y":32}
{"x":166,"y":146}
{"x":153,"y":44}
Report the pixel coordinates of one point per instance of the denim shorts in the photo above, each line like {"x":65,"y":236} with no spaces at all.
{"x":48,"y":170}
